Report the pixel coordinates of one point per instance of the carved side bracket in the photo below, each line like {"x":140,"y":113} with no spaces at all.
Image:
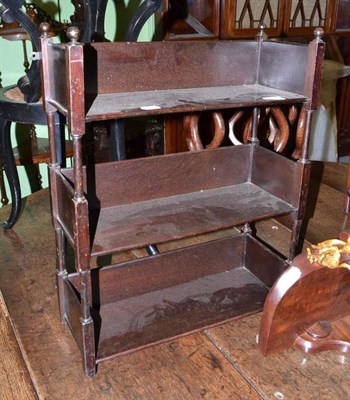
{"x":308,"y":307}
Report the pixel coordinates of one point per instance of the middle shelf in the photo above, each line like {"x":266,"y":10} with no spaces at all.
{"x":185,"y":194}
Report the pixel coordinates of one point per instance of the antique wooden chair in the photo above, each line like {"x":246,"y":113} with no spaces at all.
{"x":21,"y":103}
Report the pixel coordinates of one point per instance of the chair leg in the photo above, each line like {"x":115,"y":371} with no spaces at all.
{"x":3,"y":194}
{"x":34,"y":144}
{"x":9,"y":164}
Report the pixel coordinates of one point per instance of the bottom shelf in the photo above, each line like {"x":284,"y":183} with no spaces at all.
{"x":150,"y":300}
{"x":152,"y":317}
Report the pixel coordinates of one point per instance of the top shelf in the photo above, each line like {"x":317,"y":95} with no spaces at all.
{"x":121,"y":105}
{"x":119,"y":80}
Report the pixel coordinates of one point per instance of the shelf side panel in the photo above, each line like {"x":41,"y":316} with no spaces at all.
{"x":55,"y":82}
{"x":65,"y":211}
{"x":283,"y":66}
{"x":274,"y":173}
{"x":265,"y":264}
{"x":73,"y":313}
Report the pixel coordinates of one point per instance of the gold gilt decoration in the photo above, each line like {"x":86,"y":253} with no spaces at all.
{"x":331,"y":253}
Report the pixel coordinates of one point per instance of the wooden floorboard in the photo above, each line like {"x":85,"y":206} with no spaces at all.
{"x":15,"y":382}
{"x":292,"y":374}
{"x":325,"y":216}
{"x":331,"y":174}
{"x":187,"y":368}
{"x":221,"y":363}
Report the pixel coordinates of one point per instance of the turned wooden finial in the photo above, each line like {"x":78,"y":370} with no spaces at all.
{"x":318,"y":32}
{"x":73,"y":34}
{"x":44,"y":29}
{"x":261,"y":35}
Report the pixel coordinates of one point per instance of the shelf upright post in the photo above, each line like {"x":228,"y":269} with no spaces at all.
{"x":53,"y":168}
{"x":76,"y":125}
{"x":311,"y":90}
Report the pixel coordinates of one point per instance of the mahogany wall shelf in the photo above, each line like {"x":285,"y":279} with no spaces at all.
{"x":109,"y":207}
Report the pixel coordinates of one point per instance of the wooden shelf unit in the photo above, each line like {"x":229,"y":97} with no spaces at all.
{"x":109,"y":207}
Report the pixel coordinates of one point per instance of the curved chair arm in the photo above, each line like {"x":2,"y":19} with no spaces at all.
{"x":89,"y":16}
{"x":145,"y":11}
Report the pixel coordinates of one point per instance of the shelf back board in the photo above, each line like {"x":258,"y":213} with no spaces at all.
{"x":120,"y":182}
{"x":132,"y":67}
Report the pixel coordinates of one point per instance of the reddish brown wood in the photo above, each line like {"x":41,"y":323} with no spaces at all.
{"x":300,"y":133}
{"x":142,"y":302}
{"x":196,"y":20}
{"x":322,"y":18}
{"x":191,"y":129}
{"x":108,"y":207}
{"x":307,"y":307}
{"x":342,"y":19}
{"x":174,"y":137}
{"x":279,"y":128}
{"x":169,"y":65}
{"x":229,"y":15}
{"x":335,"y":20}
{"x":280,"y":22}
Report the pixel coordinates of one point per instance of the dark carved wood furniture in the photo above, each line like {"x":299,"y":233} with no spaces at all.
{"x":228,"y":19}
{"x":109,"y":207}
{"x":308,"y":307}
{"x":21,"y":103}
{"x":294,"y":19}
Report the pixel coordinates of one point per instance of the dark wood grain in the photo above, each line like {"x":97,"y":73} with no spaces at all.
{"x":212,"y":192}
{"x":290,"y":373}
{"x":187,"y":368}
{"x":15,"y":381}
{"x":331,"y":174}
{"x":168,"y":101}
{"x":291,"y":307}
{"x":343,"y":15}
{"x":184,"y":368}
{"x":145,"y":206}
{"x":169,"y":65}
